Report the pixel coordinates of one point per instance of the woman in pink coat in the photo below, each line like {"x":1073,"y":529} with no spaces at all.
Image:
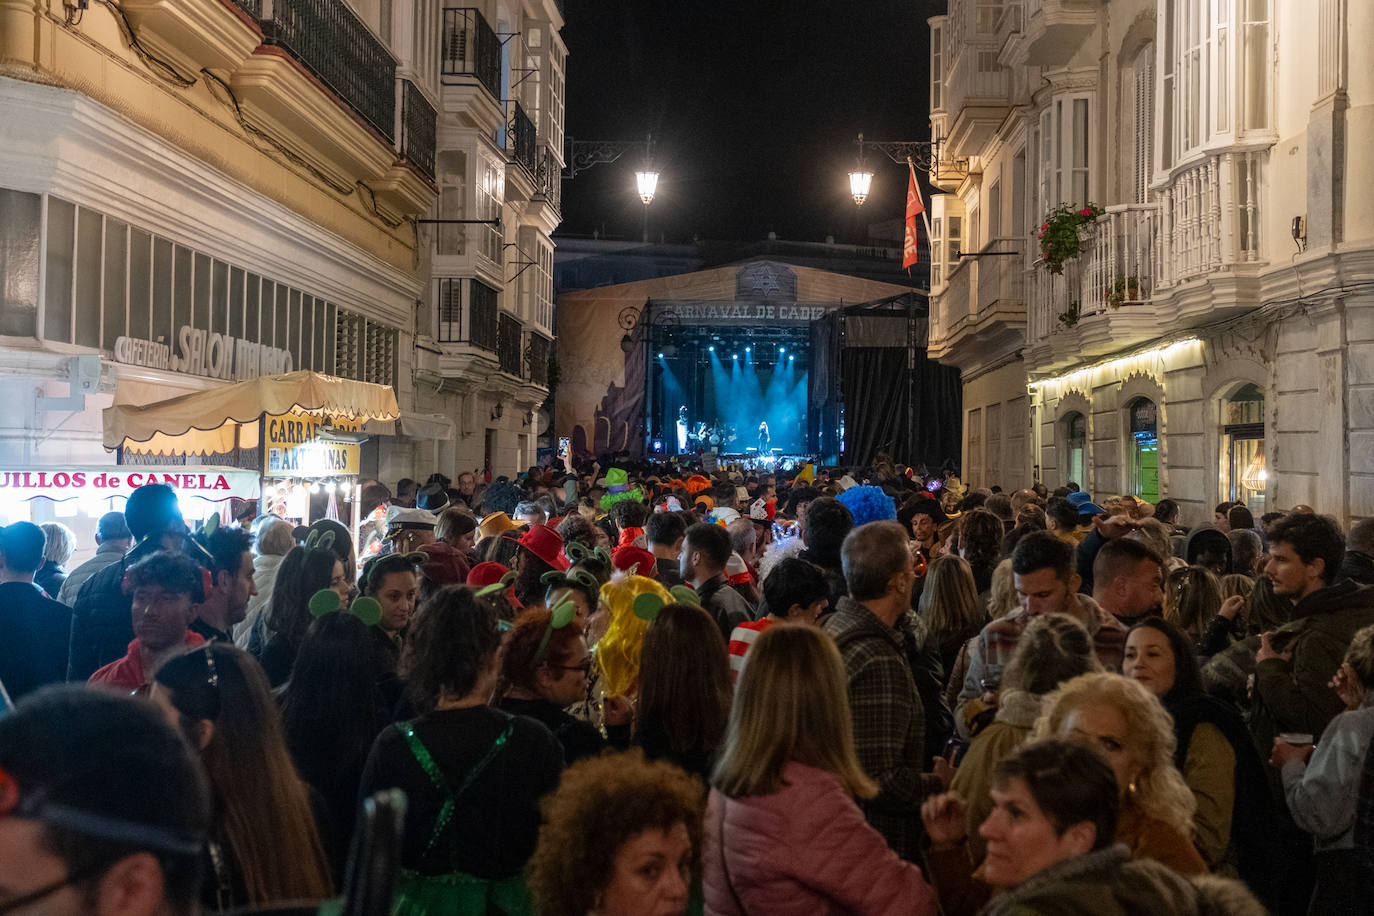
{"x":783,"y":833}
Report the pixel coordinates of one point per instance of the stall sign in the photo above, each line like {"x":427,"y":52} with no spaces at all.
{"x":293,"y":450}
{"x":61,"y":482}
{"x":205,"y":353}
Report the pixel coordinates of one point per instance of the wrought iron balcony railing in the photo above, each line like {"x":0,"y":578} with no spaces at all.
{"x":330,"y":41}
{"x":549,"y":179}
{"x":470,"y":50}
{"x":508,"y":351}
{"x":465,"y":312}
{"x":520,"y":138}
{"x":537,"y":358}
{"x":251,"y":7}
{"x":418,"y":125}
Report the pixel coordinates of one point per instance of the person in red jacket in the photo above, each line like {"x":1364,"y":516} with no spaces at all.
{"x":164,"y":588}
{"x":783,"y":832}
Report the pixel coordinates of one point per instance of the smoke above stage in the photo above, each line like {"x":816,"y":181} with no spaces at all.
{"x":732,"y":397}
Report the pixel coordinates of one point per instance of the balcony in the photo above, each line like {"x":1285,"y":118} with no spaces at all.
{"x":196,"y":34}
{"x":1056,"y":29}
{"x":418,"y":124}
{"x":977,"y":92}
{"x":470,"y":70}
{"x":537,"y":356}
{"x":548,"y":181}
{"x":982,"y":312}
{"x":1101,"y":302}
{"x":1210,"y":217}
{"x":509,"y":354}
{"x":520,"y":137}
{"x":330,"y":41}
{"x":471,"y":51}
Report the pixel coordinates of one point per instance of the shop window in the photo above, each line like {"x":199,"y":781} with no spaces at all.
{"x":200,"y":301}
{"x":140,"y":283}
{"x":1243,"y":471}
{"x":236,"y":300}
{"x":161,"y":328}
{"x":1075,"y":427}
{"x":1143,"y":448}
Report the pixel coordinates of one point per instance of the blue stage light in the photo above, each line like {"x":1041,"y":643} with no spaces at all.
{"x":746,"y":349}
{"x":712,"y":349}
{"x":734,"y":356}
{"x":660,"y":356}
{"x":782,"y":349}
{"x":791,"y":357}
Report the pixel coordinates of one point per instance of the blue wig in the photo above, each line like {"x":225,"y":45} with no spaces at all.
{"x":868,"y":504}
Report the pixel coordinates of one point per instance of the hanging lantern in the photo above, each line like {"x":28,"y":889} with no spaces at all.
{"x":1255,"y":474}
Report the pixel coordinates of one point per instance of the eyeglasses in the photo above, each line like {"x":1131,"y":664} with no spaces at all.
{"x":47,"y":890}
{"x":585,"y":667}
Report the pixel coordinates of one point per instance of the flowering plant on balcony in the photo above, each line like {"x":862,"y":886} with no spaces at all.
{"x":1059,"y":238}
{"x":1069,"y":317}
{"x":1124,"y":289}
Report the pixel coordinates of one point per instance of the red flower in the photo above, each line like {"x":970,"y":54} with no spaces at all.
{"x":1086,"y":211}
{"x":1044,"y":227}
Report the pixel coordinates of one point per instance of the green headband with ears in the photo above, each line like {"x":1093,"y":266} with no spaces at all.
{"x":561,"y":615}
{"x":500,"y":585}
{"x":327,"y":601}
{"x":648,"y":605}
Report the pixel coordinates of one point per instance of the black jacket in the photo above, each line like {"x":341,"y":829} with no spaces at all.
{"x":102,"y":627}
{"x":1359,"y":567}
{"x":725,"y":605}
{"x":33,"y":650}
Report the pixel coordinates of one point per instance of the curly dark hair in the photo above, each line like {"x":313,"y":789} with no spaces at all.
{"x":601,"y":804}
{"x":451,"y":640}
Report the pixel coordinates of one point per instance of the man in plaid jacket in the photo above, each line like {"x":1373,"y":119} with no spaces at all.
{"x":889,"y":720}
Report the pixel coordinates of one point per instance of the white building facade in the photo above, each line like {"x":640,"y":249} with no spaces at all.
{"x":1214,"y":337}
{"x":262,"y":170}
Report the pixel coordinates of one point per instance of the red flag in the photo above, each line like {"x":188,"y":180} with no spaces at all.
{"x":914,"y":208}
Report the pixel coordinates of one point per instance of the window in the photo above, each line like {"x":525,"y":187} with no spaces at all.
{"x":1142,"y":109}
{"x":1143,"y":449}
{"x":491,"y":191}
{"x":452,"y":168}
{"x":20,"y":216}
{"x":937,"y":232}
{"x":1075,"y":427}
{"x":937,"y":66}
{"x":1243,"y":472}
{"x":994,"y":211}
{"x":536,"y":280}
{"x":1065,"y":175}
{"x":1214,"y":72}
{"x":986,"y":14}
{"x":57,"y":290}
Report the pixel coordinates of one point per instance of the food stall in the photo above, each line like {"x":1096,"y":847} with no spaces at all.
{"x":77,"y":495}
{"x":300,"y":432}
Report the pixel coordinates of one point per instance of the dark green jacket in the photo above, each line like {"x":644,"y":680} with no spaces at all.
{"x":1294,"y":696}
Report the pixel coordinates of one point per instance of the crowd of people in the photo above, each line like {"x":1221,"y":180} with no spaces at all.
{"x":659,"y":691}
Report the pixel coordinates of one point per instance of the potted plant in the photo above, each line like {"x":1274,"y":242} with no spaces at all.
{"x":1124,"y":289}
{"x":1059,"y":234}
{"x":1069,"y":317}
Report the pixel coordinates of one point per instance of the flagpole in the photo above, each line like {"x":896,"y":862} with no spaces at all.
{"x":925,"y":216}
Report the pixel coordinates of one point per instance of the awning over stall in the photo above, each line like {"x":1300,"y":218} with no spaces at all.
{"x":219,"y":420}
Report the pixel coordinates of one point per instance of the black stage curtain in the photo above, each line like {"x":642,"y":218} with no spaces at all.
{"x":877,"y":405}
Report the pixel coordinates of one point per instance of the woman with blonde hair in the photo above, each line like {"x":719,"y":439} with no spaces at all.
{"x":1129,"y":727}
{"x":950,"y":607}
{"x":1192,"y":597}
{"x":783,"y":831}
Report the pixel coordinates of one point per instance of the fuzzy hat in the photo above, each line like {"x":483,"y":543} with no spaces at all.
{"x":696,"y":483}
{"x":868,"y":504}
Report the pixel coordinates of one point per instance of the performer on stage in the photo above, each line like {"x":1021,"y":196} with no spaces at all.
{"x":682,"y":430}
{"x":763,"y":437}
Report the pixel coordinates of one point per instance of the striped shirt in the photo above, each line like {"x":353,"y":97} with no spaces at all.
{"x":741,"y":638}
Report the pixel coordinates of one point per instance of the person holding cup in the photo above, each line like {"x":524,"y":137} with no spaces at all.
{"x":1322,"y":783}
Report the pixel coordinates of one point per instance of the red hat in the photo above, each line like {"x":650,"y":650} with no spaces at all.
{"x":630,"y":536}
{"x":544,"y":543}
{"x":622,"y":558}
{"x":443,"y":565}
{"x":484,"y":574}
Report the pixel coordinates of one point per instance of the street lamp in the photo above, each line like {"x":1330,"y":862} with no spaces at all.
{"x":646,"y":181}
{"x":924,"y":156}
{"x":860,"y":177}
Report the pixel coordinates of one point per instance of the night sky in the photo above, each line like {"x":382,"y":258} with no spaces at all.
{"x":753,"y":107}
